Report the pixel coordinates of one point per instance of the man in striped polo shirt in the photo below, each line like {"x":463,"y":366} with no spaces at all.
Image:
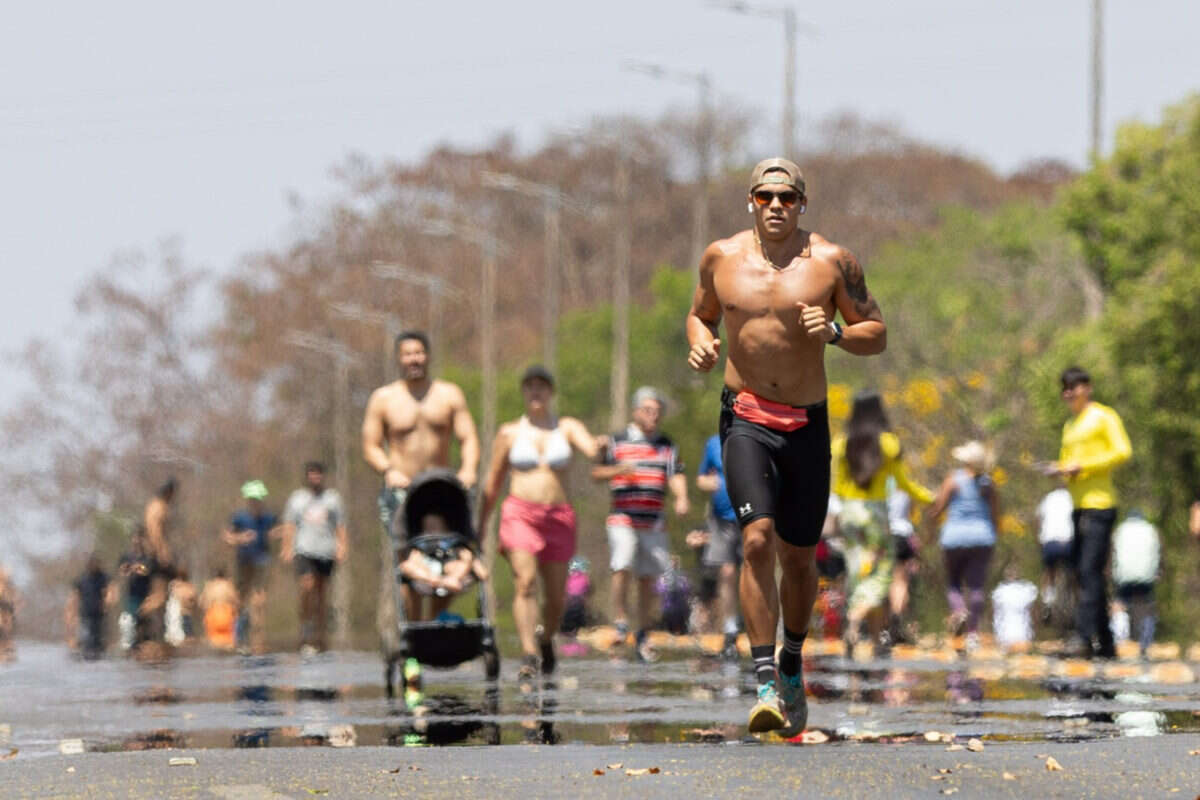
{"x":640,"y":464}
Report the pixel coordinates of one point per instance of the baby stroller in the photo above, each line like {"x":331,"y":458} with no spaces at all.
{"x":437,"y":643}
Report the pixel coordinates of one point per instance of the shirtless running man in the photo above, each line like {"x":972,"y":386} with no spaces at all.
{"x":778,"y":288}
{"x":408,"y":429}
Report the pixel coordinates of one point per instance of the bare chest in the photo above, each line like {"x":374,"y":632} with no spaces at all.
{"x":747,"y":287}
{"x":406,"y":415}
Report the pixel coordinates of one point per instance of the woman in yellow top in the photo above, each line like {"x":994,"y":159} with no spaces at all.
{"x":864,"y":458}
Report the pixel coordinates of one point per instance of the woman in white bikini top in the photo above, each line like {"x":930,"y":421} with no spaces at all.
{"x":537,"y":523}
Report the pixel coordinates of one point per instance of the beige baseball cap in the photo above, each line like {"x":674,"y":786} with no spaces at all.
{"x":777,"y":171}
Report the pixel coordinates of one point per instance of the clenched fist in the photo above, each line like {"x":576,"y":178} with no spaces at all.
{"x":703,"y":356}
{"x":812,"y":319}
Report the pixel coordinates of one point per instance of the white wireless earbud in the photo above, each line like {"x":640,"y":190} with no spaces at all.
{"x":750,"y":208}
{"x":803,"y":206}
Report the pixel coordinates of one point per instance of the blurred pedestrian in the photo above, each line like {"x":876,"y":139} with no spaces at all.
{"x":8,"y":614}
{"x":640,"y":464}
{"x":1012,"y":599}
{"x":250,"y":531}
{"x":1056,"y":535}
{"x":181,"y":609}
{"x":1094,"y":443}
{"x":723,"y":549}
{"x":969,"y":498}
{"x":866,"y":458}
{"x":219,"y":601}
{"x":1136,"y":553}
{"x":537,"y":520}
{"x":91,"y":596}
{"x":157,"y":523}
{"x":136,"y":568}
{"x":315,"y":541}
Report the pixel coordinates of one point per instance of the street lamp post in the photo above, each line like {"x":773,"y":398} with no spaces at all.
{"x":787,"y":15}
{"x":390,"y":324}
{"x":438,"y":288}
{"x":343,"y":359}
{"x":553,"y":203}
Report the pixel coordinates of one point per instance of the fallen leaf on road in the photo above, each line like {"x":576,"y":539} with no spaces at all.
{"x":182,"y":761}
{"x":70,"y":769}
{"x":643,"y":771}
{"x":1194,"y":752}
{"x":470,"y":777}
{"x":945,"y":771}
{"x":950,"y":790}
{"x":597,"y":771}
{"x":317,"y":791}
{"x":10,"y":754}
{"x":413,"y":768}
{"x":937,"y":777}
{"x":954,"y":748}
{"x":617,"y":765}
{"x":975,"y":745}
{"x":1008,"y":776}
{"x":1052,"y":765}
{"x":933,"y":736}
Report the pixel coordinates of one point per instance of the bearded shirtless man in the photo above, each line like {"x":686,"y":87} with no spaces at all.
{"x":778,"y":287}
{"x":408,"y":429}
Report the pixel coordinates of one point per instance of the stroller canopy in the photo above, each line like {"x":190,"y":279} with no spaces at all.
{"x":436,"y":492}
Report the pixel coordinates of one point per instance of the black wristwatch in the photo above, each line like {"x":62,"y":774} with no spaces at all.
{"x":837,"y":333}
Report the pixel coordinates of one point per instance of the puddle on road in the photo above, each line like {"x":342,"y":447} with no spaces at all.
{"x":48,"y":701}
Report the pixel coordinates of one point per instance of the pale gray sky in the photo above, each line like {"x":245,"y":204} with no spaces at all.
{"x":121,"y":123}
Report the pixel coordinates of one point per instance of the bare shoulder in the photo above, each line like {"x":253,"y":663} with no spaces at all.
{"x":450,"y":392}
{"x":731,"y":247}
{"x":826,"y":250}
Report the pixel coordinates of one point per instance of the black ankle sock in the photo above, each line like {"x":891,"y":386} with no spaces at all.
{"x":789,"y":659}
{"x":764,"y":662}
{"x":640,"y":638}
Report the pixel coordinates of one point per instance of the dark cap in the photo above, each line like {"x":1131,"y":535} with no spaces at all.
{"x":777,"y":171}
{"x":540,"y":373}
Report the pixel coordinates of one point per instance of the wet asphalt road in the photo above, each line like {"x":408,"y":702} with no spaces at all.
{"x":1120,"y":768}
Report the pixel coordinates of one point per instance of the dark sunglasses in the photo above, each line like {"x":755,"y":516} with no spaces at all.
{"x":763,"y":197}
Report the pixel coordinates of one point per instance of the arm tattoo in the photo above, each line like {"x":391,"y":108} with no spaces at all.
{"x":856,"y":286}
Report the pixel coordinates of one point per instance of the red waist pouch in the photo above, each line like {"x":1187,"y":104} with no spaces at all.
{"x":776,"y":416}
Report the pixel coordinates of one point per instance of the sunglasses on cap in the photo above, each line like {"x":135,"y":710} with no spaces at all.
{"x":787,"y":198}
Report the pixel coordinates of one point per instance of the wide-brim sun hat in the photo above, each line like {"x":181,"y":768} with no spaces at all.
{"x":974,"y":454}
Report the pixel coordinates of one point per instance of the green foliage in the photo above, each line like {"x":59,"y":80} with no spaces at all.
{"x":1133,"y":208}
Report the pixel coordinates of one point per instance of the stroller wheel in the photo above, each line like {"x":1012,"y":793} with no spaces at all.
{"x":491,"y":663}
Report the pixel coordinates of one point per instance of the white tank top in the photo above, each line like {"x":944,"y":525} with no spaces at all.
{"x":523,"y":454}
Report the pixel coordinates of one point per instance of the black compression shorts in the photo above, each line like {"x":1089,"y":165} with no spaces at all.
{"x":770,"y":473}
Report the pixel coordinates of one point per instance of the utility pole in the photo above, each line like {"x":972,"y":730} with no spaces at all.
{"x":1097,"y":75}
{"x":438,"y":288}
{"x":790,"y":28}
{"x":342,"y":361}
{"x":553,"y":203}
{"x":389,"y":323}
{"x":622,"y":246}
{"x":704,"y":140}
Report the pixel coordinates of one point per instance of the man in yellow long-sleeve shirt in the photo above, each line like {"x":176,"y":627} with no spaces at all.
{"x":1094,"y":443}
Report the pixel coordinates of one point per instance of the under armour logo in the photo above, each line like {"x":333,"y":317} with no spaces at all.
{"x":744,"y":510}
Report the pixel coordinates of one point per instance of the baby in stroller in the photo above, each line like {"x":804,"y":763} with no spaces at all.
{"x":436,"y":569}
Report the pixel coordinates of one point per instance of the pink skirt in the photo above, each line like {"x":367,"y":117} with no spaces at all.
{"x":546,"y":531}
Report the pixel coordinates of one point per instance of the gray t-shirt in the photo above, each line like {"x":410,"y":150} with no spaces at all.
{"x":316,"y":518}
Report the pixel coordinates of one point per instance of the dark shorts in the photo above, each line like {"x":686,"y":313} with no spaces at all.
{"x":1133,"y":591}
{"x":314,"y":566}
{"x":250,"y":576}
{"x":777,"y":474}
{"x":903,"y":547}
{"x":1056,"y":554}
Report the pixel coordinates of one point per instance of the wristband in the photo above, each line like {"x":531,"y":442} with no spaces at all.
{"x":837,"y":333}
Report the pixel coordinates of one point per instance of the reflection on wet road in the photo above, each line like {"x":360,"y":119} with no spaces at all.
{"x":49,"y":703}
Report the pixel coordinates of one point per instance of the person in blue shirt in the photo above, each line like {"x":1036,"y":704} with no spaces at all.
{"x":250,"y":532}
{"x":723,"y":550}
